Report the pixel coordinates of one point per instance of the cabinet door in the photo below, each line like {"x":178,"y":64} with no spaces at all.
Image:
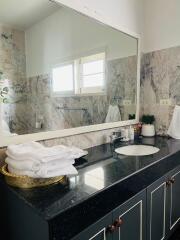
{"x":132,"y":219}
{"x":174,"y":199}
{"x":97,"y":231}
{"x":156,"y":210}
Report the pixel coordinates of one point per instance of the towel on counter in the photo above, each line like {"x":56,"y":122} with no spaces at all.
{"x":174,"y":128}
{"x":113,"y":114}
{"x":31,"y":165}
{"x":34,"y":160}
{"x":70,"y":170}
{"x":38,"y":152}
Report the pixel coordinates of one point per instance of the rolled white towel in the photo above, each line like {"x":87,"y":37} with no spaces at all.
{"x":70,"y":170}
{"x":30,"y":165}
{"x":43,"y":154}
{"x":174,"y":128}
{"x":39,"y":160}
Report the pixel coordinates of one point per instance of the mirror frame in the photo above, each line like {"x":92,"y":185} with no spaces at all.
{"x":84,"y":10}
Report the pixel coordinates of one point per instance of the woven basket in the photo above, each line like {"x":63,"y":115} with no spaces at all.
{"x":28,"y":182}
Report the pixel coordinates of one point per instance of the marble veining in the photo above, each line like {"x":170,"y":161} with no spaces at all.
{"x":121,"y":85}
{"x":13,"y":72}
{"x":160,"y":79}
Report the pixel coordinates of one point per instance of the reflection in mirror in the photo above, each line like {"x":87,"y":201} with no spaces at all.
{"x":95,"y":178}
{"x":60,"y":69}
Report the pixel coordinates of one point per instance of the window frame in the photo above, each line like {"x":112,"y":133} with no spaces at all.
{"x":95,"y":89}
{"x":78,"y":89}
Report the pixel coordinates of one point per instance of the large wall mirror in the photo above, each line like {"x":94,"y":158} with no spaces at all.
{"x":61,"y":70}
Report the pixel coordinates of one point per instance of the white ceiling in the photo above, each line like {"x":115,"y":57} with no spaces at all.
{"x":22,"y":14}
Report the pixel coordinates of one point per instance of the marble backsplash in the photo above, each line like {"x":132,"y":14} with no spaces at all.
{"x":160,"y":79}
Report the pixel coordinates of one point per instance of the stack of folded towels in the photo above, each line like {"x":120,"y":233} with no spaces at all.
{"x":36,"y":161}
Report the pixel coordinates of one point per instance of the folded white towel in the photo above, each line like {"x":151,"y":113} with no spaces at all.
{"x":34,"y":160}
{"x":30,"y":165}
{"x":43,"y":154}
{"x":174,"y":128}
{"x":70,"y":170}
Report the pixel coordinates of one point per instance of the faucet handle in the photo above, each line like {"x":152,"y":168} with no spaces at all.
{"x":116,"y":135}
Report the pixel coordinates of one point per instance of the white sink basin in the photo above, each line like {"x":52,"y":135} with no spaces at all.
{"x":137,"y":150}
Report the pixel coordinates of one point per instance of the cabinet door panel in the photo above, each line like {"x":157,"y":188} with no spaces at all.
{"x":156,"y":211}
{"x":175,"y":200}
{"x":97,"y":231}
{"x":100,"y":236}
{"x":157,"y":214}
{"x":133,"y":219}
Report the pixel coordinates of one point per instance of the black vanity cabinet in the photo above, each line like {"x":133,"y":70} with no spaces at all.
{"x":142,"y":206}
{"x":126,"y":222}
{"x":130,"y":218}
{"x":163,"y":206}
{"x":173,"y":201}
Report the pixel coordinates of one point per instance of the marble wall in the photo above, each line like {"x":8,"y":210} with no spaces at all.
{"x":13,"y":73}
{"x":32,"y":99}
{"x":160,"y":79}
{"x":53,"y":110}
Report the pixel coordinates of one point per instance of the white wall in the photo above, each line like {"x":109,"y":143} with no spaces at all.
{"x":65,"y":35}
{"x":125,"y":13}
{"x":162,"y":24}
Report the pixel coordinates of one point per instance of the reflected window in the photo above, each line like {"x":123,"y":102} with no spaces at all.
{"x":63,"y":79}
{"x":93,"y":73}
{"x":95,"y":178}
{"x":85,"y":75}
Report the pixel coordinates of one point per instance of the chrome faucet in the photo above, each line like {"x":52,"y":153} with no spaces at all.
{"x":116,"y":135}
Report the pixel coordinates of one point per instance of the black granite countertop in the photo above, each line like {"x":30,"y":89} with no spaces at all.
{"x":102,"y":176}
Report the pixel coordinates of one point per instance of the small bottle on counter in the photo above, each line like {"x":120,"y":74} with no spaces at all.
{"x":131,"y":133}
{"x":127,"y":134}
{"x":137,"y":130}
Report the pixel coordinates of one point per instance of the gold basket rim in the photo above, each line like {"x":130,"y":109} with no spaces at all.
{"x":4,"y":171}
{"x":26,"y":182}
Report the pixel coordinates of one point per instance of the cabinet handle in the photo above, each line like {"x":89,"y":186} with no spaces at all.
{"x":168,"y":183}
{"x":118,"y":222}
{"x":111,"y":228}
{"x":172,"y":180}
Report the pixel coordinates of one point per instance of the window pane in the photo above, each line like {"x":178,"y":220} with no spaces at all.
{"x":63,"y":78}
{"x":96,"y":80}
{"x":93,"y":67}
